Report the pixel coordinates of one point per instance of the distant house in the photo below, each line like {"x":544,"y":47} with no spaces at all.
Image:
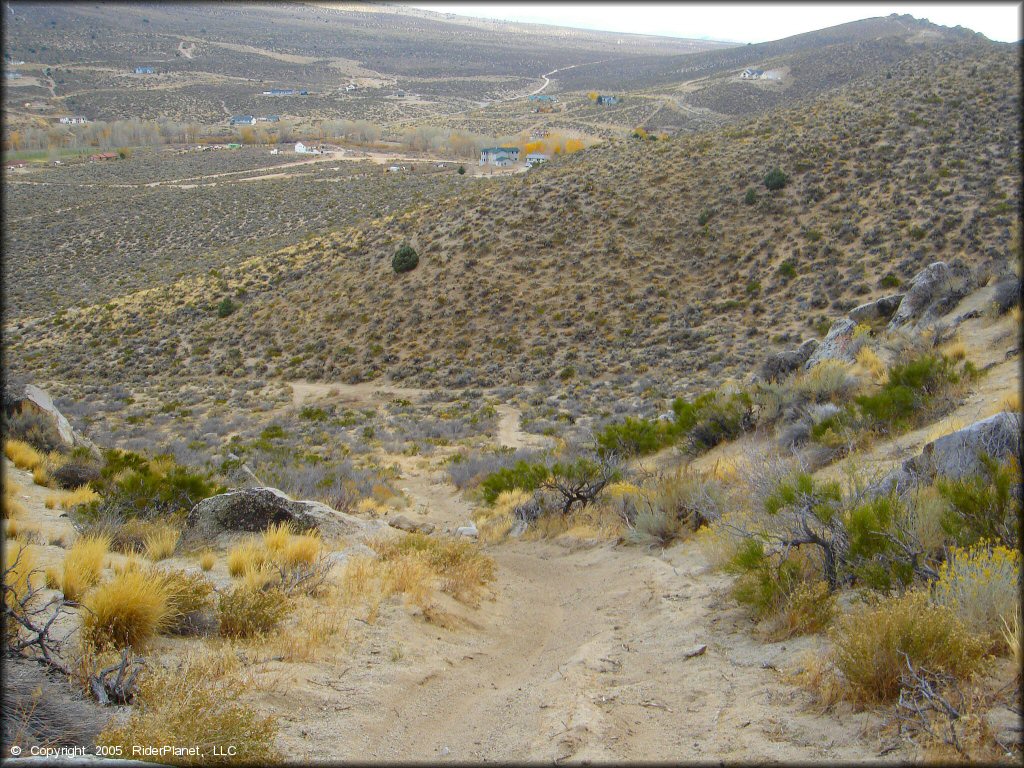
{"x":752,"y":74}
{"x":74,"y":120}
{"x":499,"y":156}
{"x":536,"y":158}
{"x":302,"y":149}
{"x":234,"y":145}
{"x":542,"y":97}
{"x":270,"y":119}
{"x":102,"y":157}
{"x":400,"y":94}
{"x":350,"y":87}
{"x":607,"y":101}
{"x":394,"y":168}
{"x":145,"y":71}
{"x":243,"y":120}
{"x":15,"y":164}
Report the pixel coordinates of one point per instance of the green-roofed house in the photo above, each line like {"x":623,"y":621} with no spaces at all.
{"x":501,"y":157}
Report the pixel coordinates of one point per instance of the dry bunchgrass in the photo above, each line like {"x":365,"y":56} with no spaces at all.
{"x":83,"y":565}
{"x":869,"y":361}
{"x":23,"y":455}
{"x":276,"y":537}
{"x":12,"y":505}
{"x":207,"y":558}
{"x":300,"y":550}
{"x":317,"y":630}
{"x":815,"y":672}
{"x":160,"y":541}
{"x":944,"y":427}
{"x":808,"y":609}
{"x":1012,"y":637}
{"x":411,"y":576}
{"x":247,"y":612}
{"x":248,"y":555}
{"x":370,"y":507}
{"x":459,"y":565}
{"x":494,"y":523}
{"x":927,"y":512}
{"x":81,"y":495}
{"x":187,"y":593}
{"x":200,"y":703}
{"x":955,"y":349}
{"x":41,"y":477}
{"x":128,"y":610}
{"x":869,"y":643}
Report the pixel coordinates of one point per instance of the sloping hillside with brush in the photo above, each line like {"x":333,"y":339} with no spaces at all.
{"x":669,"y":258}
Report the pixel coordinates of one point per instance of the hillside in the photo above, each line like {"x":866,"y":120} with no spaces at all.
{"x":629,"y":258}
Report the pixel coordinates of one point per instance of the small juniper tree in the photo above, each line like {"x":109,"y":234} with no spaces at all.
{"x":405,"y":259}
{"x":776,"y":179}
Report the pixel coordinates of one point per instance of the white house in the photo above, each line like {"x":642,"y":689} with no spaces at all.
{"x":350,"y":87}
{"x":752,"y":74}
{"x":536,"y":158}
{"x":499,"y":156}
{"x":75,"y":120}
{"x":302,"y":149}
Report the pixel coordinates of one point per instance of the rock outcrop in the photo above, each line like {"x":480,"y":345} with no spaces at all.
{"x":838,"y":344}
{"x":778,"y":365}
{"x":879,"y":309}
{"x":403,"y":523}
{"x":32,"y":399}
{"x":252,"y":510}
{"x":957,"y":455}
{"x":935,"y":290}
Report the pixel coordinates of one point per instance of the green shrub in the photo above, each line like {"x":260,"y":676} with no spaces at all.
{"x":634,"y":437}
{"x":775,"y":179}
{"x":751,"y":197}
{"x":890,"y":281}
{"x":226,"y":307}
{"x":523,"y":476}
{"x":462,"y":170}
{"x":786,"y":270}
{"x":705,"y":216}
{"x":133,"y":486}
{"x":405,"y":259}
{"x":982,"y":506}
{"x":872,"y":556}
{"x":763,"y":585}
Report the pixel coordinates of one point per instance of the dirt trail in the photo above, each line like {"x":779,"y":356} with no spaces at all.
{"x":511,"y":435}
{"x":581,"y":655}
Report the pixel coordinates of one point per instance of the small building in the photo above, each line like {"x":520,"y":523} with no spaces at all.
{"x":607,"y":101}
{"x":400,"y":94}
{"x":752,"y":74}
{"x":145,"y":71}
{"x":394,"y":168}
{"x":243,"y":120}
{"x":302,"y":149}
{"x":275,"y":151}
{"x":501,"y":157}
{"x":269,"y":119}
{"x":350,"y":87}
{"x":73,"y":120}
{"x":102,"y":157}
{"x":15,"y":164}
{"x":234,"y":145}
{"x":536,"y":158}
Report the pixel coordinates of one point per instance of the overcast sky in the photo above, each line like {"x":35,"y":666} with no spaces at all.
{"x":741,"y":23}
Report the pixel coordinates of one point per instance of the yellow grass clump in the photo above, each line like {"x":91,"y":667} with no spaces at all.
{"x":247,"y":555}
{"x":869,"y":643}
{"x":371,"y":507}
{"x":494,"y":523}
{"x":126,"y":611}
{"x":41,"y":477}
{"x":1012,"y":636}
{"x":160,"y":541}
{"x":873,"y":365}
{"x":81,"y":495}
{"x":199,"y":703}
{"x":276,"y":537}
{"x":83,"y":565}
{"x":300,"y":550}
{"x":23,"y":455}
{"x":12,"y":505}
{"x":206,"y":559}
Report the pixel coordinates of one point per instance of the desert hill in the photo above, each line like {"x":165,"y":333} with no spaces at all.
{"x":668,"y":258}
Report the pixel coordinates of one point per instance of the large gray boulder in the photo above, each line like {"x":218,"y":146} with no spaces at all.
{"x":32,"y":399}
{"x":781,"y":363}
{"x":935,"y":290}
{"x":253,"y":510}
{"x":838,"y":344}
{"x":879,"y":309}
{"x":957,"y":455}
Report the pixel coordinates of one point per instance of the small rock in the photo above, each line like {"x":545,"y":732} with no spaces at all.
{"x":838,"y":344}
{"x":467,"y":530}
